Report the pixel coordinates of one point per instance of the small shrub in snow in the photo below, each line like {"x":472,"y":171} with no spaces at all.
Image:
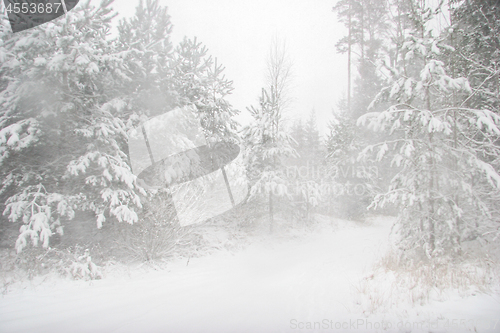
{"x":83,"y":268}
{"x":155,"y":236}
{"x":36,"y":262}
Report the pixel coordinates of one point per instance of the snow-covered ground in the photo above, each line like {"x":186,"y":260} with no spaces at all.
{"x":277,"y":284}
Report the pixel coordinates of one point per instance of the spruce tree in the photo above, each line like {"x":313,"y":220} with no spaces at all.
{"x":266,"y":138}
{"x":443,"y":148}
{"x":266,"y":146}
{"x":62,"y":126}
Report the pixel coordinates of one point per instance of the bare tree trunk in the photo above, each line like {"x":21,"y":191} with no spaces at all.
{"x":362,"y":33}
{"x":271,"y":213}
{"x":349,"y":42}
{"x":454,"y":162}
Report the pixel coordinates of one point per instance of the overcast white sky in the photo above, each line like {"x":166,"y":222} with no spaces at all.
{"x":239,"y":33}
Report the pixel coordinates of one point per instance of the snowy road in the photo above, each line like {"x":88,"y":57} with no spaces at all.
{"x":271,"y":286}
{"x":260,"y":289}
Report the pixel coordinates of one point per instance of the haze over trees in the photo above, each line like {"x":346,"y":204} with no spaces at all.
{"x":417,"y":134}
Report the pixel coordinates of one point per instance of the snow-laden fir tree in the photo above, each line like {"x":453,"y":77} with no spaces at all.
{"x":144,"y":44}
{"x":267,"y":143}
{"x":266,"y":139}
{"x":313,"y":140}
{"x":444,"y":149}
{"x":343,"y":143}
{"x":61,"y":125}
{"x":163,"y":77}
{"x":199,"y":80}
{"x":307,"y":141}
{"x":298,"y":133}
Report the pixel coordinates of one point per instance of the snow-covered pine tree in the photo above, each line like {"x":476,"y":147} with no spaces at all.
{"x":144,"y":43}
{"x":62,"y":125}
{"x":266,"y":139}
{"x":298,"y":133}
{"x":313,"y":139}
{"x":307,"y":192}
{"x":310,"y":190}
{"x":267,"y":143}
{"x":306,"y":142}
{"x":163,"y":78}
{"x":443,"y":148}
{"x":475,"y":33}
{"x":200,"y":81}
{"x":342,"y":141}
